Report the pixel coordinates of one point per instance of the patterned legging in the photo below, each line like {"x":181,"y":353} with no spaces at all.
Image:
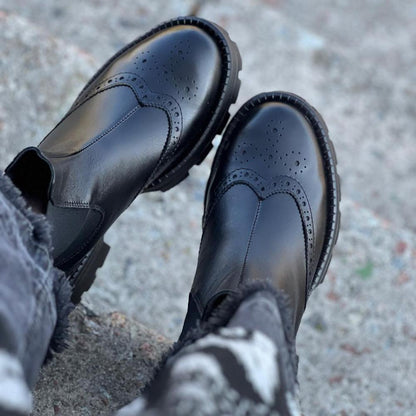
{"x":229,"y":370}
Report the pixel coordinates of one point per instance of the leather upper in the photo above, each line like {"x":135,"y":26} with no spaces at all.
{"x":174,"y":71}
{"x":137,"y":118}
{"x":265,"y":209}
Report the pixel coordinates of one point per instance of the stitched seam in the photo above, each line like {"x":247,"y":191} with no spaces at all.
{"x":253,"y":227}
{"x":73,"y":204}
{"x":100,"y":136}
{"x":93,"y":233}
{"x":75,"y":106}
{"x":82,"y":247}
{"x":309,"y":253}
{"x":198,"y":303}
{"x":131,"y":85}
{"x":219,"y":195}
{"x":80,"y":103}
{"x":167,"y":149}
{"x":218,"y":198}
{"x":225,"y":185}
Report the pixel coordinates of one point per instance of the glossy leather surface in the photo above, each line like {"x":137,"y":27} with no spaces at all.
{"x":266,"y":208}
{"x":137,"y":119}
{"x":175,"y":71}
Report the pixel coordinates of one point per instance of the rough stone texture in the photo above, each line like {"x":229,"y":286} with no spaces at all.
{"x":99,"y":28}
{"x":353,"y":60}
{"x":357,"y":340}
{"x":108,"y":362}
{"x":39,"y":78}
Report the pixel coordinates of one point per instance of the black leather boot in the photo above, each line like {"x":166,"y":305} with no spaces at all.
{"x":147,"y":116}
{"x":271,"y":206}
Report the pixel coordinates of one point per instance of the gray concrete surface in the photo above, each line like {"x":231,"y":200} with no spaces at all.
{"x":356,"y":65}
{"x":353,"y":60}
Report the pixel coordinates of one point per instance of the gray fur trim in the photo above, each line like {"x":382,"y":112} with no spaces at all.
{"x":41,"y":228}
{"x":61,"y":286}
{"x":63,"y":292}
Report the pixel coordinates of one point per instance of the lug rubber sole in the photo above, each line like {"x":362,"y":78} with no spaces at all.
{"x":86,"y":271}
{"x":330,"y":162}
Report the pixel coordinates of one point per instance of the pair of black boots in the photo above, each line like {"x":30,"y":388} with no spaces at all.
{"x":147,"y":116}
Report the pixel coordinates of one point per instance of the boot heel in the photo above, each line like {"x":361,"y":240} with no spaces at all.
{"x":84,"y":276}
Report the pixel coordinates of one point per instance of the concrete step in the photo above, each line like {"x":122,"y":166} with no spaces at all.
{"x":357,"y":339}
{"x":359,"y":75}
{"x":109,"y":360}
